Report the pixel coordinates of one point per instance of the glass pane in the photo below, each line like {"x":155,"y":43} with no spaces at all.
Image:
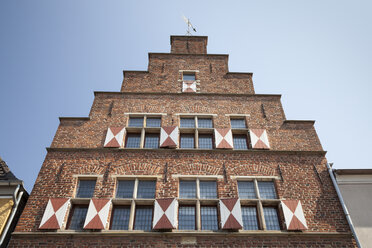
{"x":186,"y":218}
{"x":146,"y":189}
{"x":205,"y":141}
{"x":78,"y":217}
{"x":238,"y":123}
{"x":267,"y":190}
{"x":136,"y":121}
{"x":153,"y":122}
{"x":120,"y":218}
{"x":209,"y":218}
{"x":125,"y":189}
{"x":86,"y":188}
{"x":246,"y":190}
{"x":240,"y":142}
{"x":249,"y":215}
{"x":208,"y":189}
{"x":143,"y":218}
{"x":152,"y":140}
{"x":271,"y":218}
{"x":187,"y":189}
{"x":205,"y":123}
{"x":189,"y":77}
{"x":133,"y":140}
{"x":187,"y":122}
{"x":187,"y":141}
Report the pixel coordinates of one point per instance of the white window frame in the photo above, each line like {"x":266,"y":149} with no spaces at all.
{"x":196,"y":130}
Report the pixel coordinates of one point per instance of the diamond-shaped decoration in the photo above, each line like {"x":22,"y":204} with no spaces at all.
{"x":223,"y":138}
{"x":189,"y":86}
{"x":259,"y":139}
{"x":54,"y":213}
{"x":294,"y":215}
{"x":169,"y":137}
{"x":231,"y":214}
{"x":165,"y":213}
{"x":115,"y":137}
{"x":97,"y":214}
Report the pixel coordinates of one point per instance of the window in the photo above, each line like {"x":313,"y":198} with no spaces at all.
{"x":77,"y":217}
{"x":187,"y":141}
{"x":262,"y":212}
{"x":143,"y":132}
{"x":188,"y":76}
{"x":198,"y":199}
{"x":133,"y":205}
{"x":240,"y":141}
{"x":237,"y":123}
{"x":196,"y":132}
{"x":86,"y":188}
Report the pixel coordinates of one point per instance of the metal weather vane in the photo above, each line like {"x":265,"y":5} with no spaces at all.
{"x":189,"y":26}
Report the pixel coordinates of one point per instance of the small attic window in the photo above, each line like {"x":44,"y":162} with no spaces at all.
{"x":188,"y":76}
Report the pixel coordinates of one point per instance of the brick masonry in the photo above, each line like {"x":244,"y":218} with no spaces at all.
{"x":296,"y":156}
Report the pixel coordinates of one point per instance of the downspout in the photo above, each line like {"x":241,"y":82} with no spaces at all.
{"x":14,"y":210}
{"x":348,"y":218}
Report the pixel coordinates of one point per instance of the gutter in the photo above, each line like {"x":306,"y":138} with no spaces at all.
{"x":14,"y":210}
{"x":348,"y":218}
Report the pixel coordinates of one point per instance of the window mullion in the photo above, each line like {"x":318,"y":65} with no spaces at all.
{"x":198,"y":216}
{"x":135,"y":189}
{"x":142,"y":142}
{"x":131,"y":216}
{"x":196,"y":138}
{"x":260,"y":208}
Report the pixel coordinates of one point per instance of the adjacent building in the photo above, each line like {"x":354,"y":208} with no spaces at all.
{"x":356,"y":189}
{"x":185,"y":154}
{"x":13,"y":198}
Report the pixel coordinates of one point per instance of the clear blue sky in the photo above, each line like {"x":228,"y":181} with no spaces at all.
{"x":54,"y":54}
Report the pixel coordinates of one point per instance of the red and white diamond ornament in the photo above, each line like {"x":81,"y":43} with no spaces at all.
{"x":97,"y":214}
{"x":169,"y":137}
{"x":115,"y":137}
{"x":165,"y":213}
{"x":231,"y":214}
{"x":54,"y":213}
{"x":259,"y":139}
{"x":223,"y":138}
{"x":189,"y":86}
{"x":294,"y":215}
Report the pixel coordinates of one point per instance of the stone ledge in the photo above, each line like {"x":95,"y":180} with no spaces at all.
{"x":101,"y":149}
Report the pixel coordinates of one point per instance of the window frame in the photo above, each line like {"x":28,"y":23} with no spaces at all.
{"x":199,"y":202}
{"x":77,"y":188}
{"x":240,"y":131}
{"x":196,"y":130}
{"x":144,"y":130}
{"x":134,"y":202}
{"x":72,"y":211}
{"x":260,"y":203}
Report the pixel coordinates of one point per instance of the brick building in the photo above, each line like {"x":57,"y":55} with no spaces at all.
{"x":186,"y":154}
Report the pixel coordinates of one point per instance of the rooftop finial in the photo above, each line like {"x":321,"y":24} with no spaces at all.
{"x":189,"y":25}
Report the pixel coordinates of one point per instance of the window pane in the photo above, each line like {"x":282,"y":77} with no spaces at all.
{"x":249,"y":215}
{"x":187,"y":122}
{"x":136,"y":121}
{"x":246,"y":190}
{"x":267,"y":190}
{"x":146,"y":189}
{"x":187,"y":189}
{"x":186,"y":218}
{"x":187,"y":141}
{"x":133,"y":140}
{"x":86,"y":188}
{"x":125,"y":189}
{"x":209,"y":218}
{"x":271,"y":218}
{"x":240,"y":142}
{"x":205,"y":141}
{"x":120,"y":218}
{"x":189,"y":77}
{"x":78,"y":217}
{"x":153,"y":122}
{"x":208,"y":189}
{"x":205,"y":123}
{"x":143,"y":218}
{"x":238,"y":123}
{"x":152,"y":140}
